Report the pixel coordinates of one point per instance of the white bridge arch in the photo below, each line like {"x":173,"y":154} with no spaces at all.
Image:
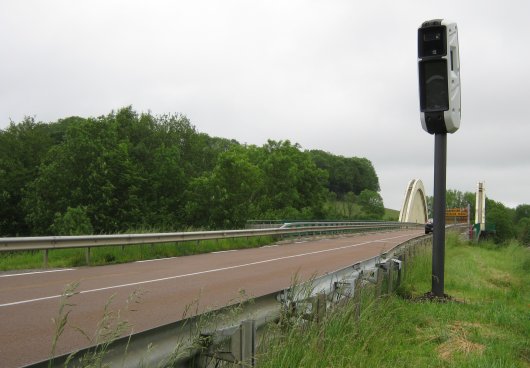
{"x":415,"y":204}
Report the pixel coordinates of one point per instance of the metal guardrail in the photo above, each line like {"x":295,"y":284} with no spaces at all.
{"x":47,"y":243}
{"x":82,"y":241}
{"x":231,"y":333}
{"x":267,"y":224}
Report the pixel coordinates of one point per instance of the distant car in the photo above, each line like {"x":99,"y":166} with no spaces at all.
{"x":428,"y":227}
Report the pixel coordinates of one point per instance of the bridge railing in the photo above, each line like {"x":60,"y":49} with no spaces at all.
{"x":46,"y":243}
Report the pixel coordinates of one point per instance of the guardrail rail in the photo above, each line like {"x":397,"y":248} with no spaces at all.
{"x":46,"y":243}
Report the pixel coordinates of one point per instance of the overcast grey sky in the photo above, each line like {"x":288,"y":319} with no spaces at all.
{"x":339,"y":76}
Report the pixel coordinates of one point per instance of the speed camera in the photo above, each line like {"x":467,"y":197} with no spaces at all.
{"x":439,"y":76}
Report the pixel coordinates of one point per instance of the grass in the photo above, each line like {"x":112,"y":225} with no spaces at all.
{"x":110,"y":327}
{"x":347,"y":210}
{"x":116,"y":254}
{"x":112,"y":335}
{"x":486,"y":325}
{"x":391,"y":215}
{"x":342,"y":209}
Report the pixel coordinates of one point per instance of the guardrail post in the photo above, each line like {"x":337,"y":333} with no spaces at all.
{"x":399,"y":276}
{"x":357,"y":298}
{"x":247,"y":344}
{"x":404,"y":259}
{"x":45,"y":258}
{"x":390,"y":276}
{"x":87,"y":255}
{"x":379,"y":283}
{"x":235,"y":345}
{"x":319,"y":307}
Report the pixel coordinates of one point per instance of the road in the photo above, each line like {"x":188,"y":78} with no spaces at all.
{"x":148,"y":294}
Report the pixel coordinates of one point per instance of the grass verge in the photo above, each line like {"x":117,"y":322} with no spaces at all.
{"x":116,"y":254}
{"x":488,"y":324}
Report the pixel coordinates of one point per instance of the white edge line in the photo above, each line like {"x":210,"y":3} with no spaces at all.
{"x":154,"y":260}
{"x":37,"y":272}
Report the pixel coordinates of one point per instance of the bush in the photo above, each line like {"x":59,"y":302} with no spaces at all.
{"x":74,"y":221}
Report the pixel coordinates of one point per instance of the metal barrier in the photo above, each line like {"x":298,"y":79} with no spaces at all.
{"x":47,"y":243}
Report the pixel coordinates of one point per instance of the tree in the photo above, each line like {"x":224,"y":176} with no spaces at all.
{"x":522,"y":211}
{"x":91,"y":168}
{"x":128,"y":170}
{"x":470,"y":198}
{"x":522,"y":218}
{"x":455,"y":199}
{"x":350,"y":198}
{"x":162,"y":189}
{"x":368,"y":177}
{"x":22,"y":147}
{"x":372,"y":204}
{"x":293,"y":184}
{"x":523,"y":231}
{"x":74,"y":221}
{"x":226,"y":197}
{"x":502,"y":217}
{"x":346,"y":174}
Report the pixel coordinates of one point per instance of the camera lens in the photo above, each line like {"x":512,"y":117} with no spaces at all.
{"x":432,"y":36}
{"x":431,"y":42}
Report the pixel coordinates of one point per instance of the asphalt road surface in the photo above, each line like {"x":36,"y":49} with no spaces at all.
{"x":148,"y":294}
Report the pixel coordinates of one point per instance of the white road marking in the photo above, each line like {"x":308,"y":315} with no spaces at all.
{"x":37,"y":272}
{"x":154,"y":260}
{"x":202,"y":272}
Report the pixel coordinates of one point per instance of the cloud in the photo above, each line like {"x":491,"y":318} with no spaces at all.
{"x":339,"y":76}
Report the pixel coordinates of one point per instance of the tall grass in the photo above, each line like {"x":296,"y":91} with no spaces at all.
{"x":487,"y":324}
{"x":110,"y":327}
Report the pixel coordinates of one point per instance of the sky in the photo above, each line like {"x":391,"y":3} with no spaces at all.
{"x":339,"y":76}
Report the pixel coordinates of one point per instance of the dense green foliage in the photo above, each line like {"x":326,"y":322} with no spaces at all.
{"x":347,"y":174}
{"x":456,"y":199}
{"x":128,"y":170}
{"x":508,"y":223}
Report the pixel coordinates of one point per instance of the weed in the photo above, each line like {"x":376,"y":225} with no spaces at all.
{"x":109,"y":328}
{"x":65,"y":308}
{"x":458,"y":341}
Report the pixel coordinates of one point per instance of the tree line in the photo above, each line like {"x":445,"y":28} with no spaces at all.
{"x":127,"y":171}
{"x":509,"y":223}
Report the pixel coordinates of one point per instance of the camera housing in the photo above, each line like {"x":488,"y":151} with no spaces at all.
{"x":439,"y":76}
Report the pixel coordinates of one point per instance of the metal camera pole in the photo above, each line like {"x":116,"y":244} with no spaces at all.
{"x":440,"y":113}
{"x":438,"y":237}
